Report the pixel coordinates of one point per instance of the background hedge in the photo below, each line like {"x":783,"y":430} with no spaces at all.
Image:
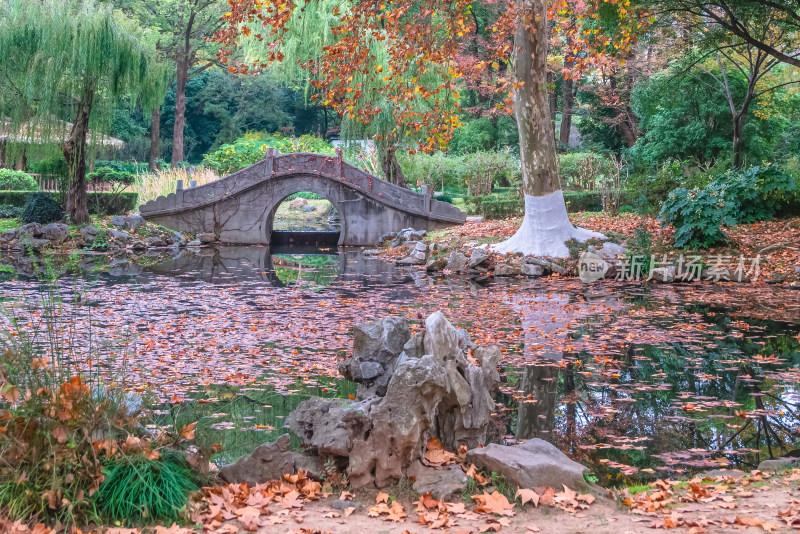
{"x":100,"y":203}
{"x":496,"y":206}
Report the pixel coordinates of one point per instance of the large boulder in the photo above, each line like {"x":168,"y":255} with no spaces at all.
{"x":56,"y":232}
{"x":508,"y":267}
{"x":297,"y":203}
{"x":34,"y":230}
{"x":120,"y":238}
{"x":207,"y":238}
{"x":89,"y":233}
{"x":535,"y":463}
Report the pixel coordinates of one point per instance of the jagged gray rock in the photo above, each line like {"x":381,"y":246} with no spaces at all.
{"x":121,"y":238}
{"x":270,"y":461}
{"x":478,"y":256}
{"x":442,"y":482}
{"x":377,"y":344}
{"x":431,"y":389}
{"x":456,"y":262}
{"x":56,"y":232}
{"x":33,"y":229}
{"x":508,"y":267}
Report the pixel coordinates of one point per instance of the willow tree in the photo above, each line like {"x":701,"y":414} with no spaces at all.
{"x":65,"y":65}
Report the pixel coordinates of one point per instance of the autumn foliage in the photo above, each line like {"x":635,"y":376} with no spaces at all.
{"x":432,"y":50}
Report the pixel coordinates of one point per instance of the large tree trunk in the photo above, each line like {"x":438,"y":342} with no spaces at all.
{"x":567,"y":103}
{"x":155,"y":139}
{"x":392,"y":172}
{"x":545,"y":227}
{"x":3,"y":154}
{"x":180,"y":109}
{"x":74,"y":150}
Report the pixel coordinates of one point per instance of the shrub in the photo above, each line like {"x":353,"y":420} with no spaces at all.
{"x":121,"y":166}
{"x":17,"y":181}
{"x":479,"y":173}
{"x":138,"y":489}
{"x":41,"y":208}
{"x":56,"y":166}
{"x":699,"y":214}
{"x":653,"y":189}
{"x":109,"y":175}
{"x":252,"y":147}
{"x":99,"y":203}
{"x":8,"y":211}
{"x":582,"y":170}
{"x":498,"y":206}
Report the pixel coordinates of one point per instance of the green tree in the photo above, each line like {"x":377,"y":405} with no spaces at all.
{"x":184,"y":28}
{"x":77,"y":61}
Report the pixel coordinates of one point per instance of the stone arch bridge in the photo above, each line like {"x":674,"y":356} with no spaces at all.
{"x":240,"y":207}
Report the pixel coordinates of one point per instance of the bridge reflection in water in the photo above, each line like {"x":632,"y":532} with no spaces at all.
{"x":281,"y":266}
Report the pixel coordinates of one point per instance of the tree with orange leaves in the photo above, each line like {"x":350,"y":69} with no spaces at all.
{"x":394,"y":62}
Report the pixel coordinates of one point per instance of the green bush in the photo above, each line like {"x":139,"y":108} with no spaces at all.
{"x":107,"y":174}
{"x":8,"y":211}
{"x":41,"y":208}
{"x":137,"y":489}
{"x":99,"y":203}
{"x":121,"y":166}
{"x":17,"y":181}
{"x":495,"y":206}
{"x":698,"y":214}
{"x":56,"y":166}
{"x":652,"y":190}
{"x":252,"y":147}
{"x":498,"y":206}
{"x":582,"y":171}
{"x":479,"y":173}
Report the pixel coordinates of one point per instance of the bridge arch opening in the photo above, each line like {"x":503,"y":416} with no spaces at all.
{"x":305,"y":219}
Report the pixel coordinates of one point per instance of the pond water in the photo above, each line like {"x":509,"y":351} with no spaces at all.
{"x":636,"y":381}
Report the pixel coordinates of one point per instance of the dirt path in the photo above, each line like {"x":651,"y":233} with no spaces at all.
{"x":602,"y":517}
{"x":753,"y":502}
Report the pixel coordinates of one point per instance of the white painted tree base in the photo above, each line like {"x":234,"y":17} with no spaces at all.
{"x":545,"y":228}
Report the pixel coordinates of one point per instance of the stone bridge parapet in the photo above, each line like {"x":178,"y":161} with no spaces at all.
{"x":240,"y":207}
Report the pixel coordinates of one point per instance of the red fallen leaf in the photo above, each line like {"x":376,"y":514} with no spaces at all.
{"x":435,"y":453}
{"x":248,"y":518}
{"x":188,"y":431}
{"x":527,"y":495}
{"x":494,"y":503}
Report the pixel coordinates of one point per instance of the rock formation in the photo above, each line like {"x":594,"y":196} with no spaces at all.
{"x":435,"y":383}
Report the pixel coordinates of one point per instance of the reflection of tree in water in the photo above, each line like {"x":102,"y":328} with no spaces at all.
{"x":314,"y":270}
{"x":664,"y":409}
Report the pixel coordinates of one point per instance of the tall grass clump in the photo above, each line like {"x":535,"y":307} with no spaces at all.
{"x":138,"y":489}
{"x":63,"y":421}
{"x":151,"y":185}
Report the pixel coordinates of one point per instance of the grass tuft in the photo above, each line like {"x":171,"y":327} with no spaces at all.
{"x":137,"y":489}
